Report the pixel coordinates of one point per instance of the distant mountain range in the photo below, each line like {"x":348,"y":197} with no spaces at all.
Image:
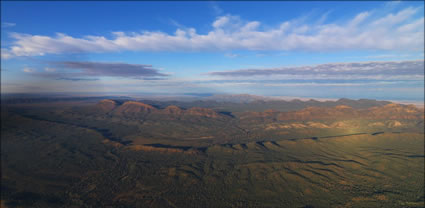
{"x":172,"y":121}
{"x":238,"y":98}
{"x":249,"y":103}
{"x":231,"y":103}
{"x":379,"y":111}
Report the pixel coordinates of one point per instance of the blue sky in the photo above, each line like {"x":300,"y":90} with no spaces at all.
{"x":297,"y":49}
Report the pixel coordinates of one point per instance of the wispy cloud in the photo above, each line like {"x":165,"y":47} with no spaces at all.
{"x":217,"y":10}
{"x":77,"y":79}
{"x":7,"y":24}
{"x":5,"y":54}
{"x":315,"y":84}
{"x":396,"y":31}
{"x":392,"y":56}
{"x":48,"y":69}
{"x":353,"y":70}
{"x":231,"y":55}
{"x":28,"y":70}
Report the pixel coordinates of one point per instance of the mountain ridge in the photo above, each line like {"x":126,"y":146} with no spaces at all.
{"x":389,"y":111}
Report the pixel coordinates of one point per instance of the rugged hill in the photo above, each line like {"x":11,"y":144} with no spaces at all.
{"x":205,"y":112}
{"x":396,"y":111}
{"x":135,"y":109}
{"x":132,"y":108}
{"x":107,"y":105}
{"x":173,"y":110}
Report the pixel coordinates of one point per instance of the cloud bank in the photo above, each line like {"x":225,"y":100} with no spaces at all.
{"x":367,"y":30}
{"x":111,"y":69}
{"x":91,"y":71}
{"x":77,"y":79}
{"x":386,"y":69}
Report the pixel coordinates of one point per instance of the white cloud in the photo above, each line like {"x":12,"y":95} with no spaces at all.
{"x":359,"y":18}
{"x":411,"y":26}
{"x":399,"y":31}
{"x":393,"y":19}
{"x":221,"y":21}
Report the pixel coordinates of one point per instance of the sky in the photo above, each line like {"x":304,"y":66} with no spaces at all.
{"x":304,"y":49}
